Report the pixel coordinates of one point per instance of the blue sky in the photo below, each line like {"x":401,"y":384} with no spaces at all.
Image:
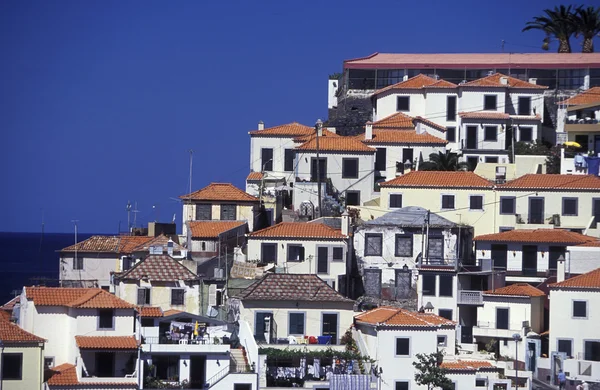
{"x":101,"y":100}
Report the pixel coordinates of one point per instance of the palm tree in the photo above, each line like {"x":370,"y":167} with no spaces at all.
{"x":443,"y":162}
{"x":587,"y":24}
{"x":557,"y":22}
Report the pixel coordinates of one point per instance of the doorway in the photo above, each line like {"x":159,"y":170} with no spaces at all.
{"x":330,"y":326}
{"x":596,"y":211}
{"x":322,"y":260}
{"x":536,"y":211}
{"x":105,"y":364}
{"x":322,"y":169}
{"x":408,"y":154}
{"x":197,"y":371}
{"x":499,"y":255}
{"x":471,"y":137}
{"x":530,"y":260}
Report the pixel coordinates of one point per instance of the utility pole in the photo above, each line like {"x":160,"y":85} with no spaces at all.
{"x":512,"y":141}
{"x":427,"y":237}
{"x":76,"y":261}
{"x":128,"y":208}
{"x":318,"y":129}
{"x":135,"y":211}
{"x":190,"y":190}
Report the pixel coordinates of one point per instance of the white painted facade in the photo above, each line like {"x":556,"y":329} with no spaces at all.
{"x":279,"y":144}
{"x":439,"y":300}
{"x":97,"y":267}
{"x":245,"y":211}
{"x":160,"y":294}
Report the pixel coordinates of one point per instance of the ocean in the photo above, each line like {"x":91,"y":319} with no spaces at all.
{"x":31,"y":258}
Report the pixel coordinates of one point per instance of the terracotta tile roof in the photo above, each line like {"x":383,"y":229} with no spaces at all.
{"x":171,"y":312}
{"x":12,"y":333}
{"x":108,"y":244}
{"x":429,"y":123}
{"x":293,"y":129}
{"x":517,"y":289}
{"x":291,"y":287}
{"x":11,"y":304}
{"x":254,"y":176}
{"x":394,"y":316}
{"x":548,"y":181}
{"x":4,"y":315}
{"x":91,"y":298}
{"x":150,"y":311}
{"x":291,"y":230}
{"x":401,"y":137}
{"x":554,"y":236}
{"x":212,"y":229}
{"x":336,"y":144}
{"x":128,"y":243}
{"x":159,"y":268}
{"x":483,"y":115}
{"x":590,"y":96}
{"x":220,"y":192}
{"x":398,"y":120}
{"x":326,"y":134}
{"x":439,"y":179}
{"x":106,"y":342}
{"x":593,"y":244}
{"x":466,"y":365}
{"x":419,"y":81}
{"x":535,"y":117}
{"x":587,"y":280}
{"x":66,"y":375}
{"x":494,"y":81}
{"x":161,"y":240}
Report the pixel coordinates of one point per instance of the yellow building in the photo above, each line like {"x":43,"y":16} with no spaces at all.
{"x":22,"y":363}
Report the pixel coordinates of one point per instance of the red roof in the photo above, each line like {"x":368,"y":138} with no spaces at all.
{"x":291,"y":230}
{"x":90,"y":298}
{"x":590,"y":96}
{"x":159,"y":268}
{"x":212,"y":229}
{"x":495,"y":81}
{"x":401,"y":137}
{"x":466,"y":365}
{"x":106,"y":342}
{"x":221,"y":192}
{"x":108,"y":244}
{"x":66,"y":375}
{"x":335,"y":144}
{"x":12,"y":333}
{"x":291,"y":287}
{"x":517,"y":289}
{"x":439,"y":179}
{"x":552,"y":236}
{"x":254,"y":176}
{"x":293,"y":129}
{"x":587,"y":280}
{"x":398,"y":120}
{"x":4,"y":315}
{"x":418,"y":82}
{"x":150,"y":311}
{"x":483,"y":115}
{"x":394,"y":316}
{"x":9,"y":306}
{"x":554,"y":182}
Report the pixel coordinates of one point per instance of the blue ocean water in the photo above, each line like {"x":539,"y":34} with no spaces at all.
{"x":31,"y":258}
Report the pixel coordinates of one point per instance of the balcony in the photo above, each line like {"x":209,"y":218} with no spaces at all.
{"x":205,"y":345}
{"x":469,"y":297}
{"x":488,"y":329}
{"x":436,"y":262}
{"x":582,"y":125}
{"x":536,"y":219}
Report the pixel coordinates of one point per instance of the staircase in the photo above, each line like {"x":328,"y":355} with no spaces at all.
{"x":238,"y":362}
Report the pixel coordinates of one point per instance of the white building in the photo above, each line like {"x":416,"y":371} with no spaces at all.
{"x":22,"y":365}
{"x":475,"y":374}
{"x":206,"y":237}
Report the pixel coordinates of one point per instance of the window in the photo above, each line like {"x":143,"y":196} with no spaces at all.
{"x":566,"y":346}
{"x":203,"y":212}
{"x":177,"y":296}
{"x":395,"y":201}
{"x":167,"y":366}
{"x":245,"y":386}
{"x":338,"y":254}
{"x":491,"y":160}
{"x":127,"y":263}
{"x":373,"y":244}
{"x":526,"y":134}
{"x":48,"y":362}
{"x":480,"y":382}
{"x":579,"y":309}
{"x":524,"y":105}
{"x":447,"y":201}
{"x":147,"y":322}
{"x":266,"y":159}
{"x":476,"y":202}
{"x":349,"y":168}
{"x":490,"y":102}
{"x":12,"y":366}
{"x":570,"y":206}
{"x":288,"y":160}
{"x":591,"y":350}
{"x":401,"y":385}
{"x":507,"y":204}
{"x":228,"y":212}
{"x":429,"y":285}
{"x":451,"y":108}
{"x":490,"y":133}
{"x":451,"y":134}
{"x":268,"y":253}
{"x":404,"y":245}
{"x":501,"y":318}
{"x":295,"y":253}
{"x":352,"y":198}
{"x":380,"y":159}
{"x":582,"y":139}
{"x":143,"y":296}
{"x":472,"y":161}
{"x":296,"y":323}
{"x":105,"y":318}
{"x":505,"y":229}
{"x":435,"y":248}
{"x":402,"y":346}
{"x":403,"y":103}
{"x":446,"y":282}
{"x":441,"y":341}
{"x":77,"y":263}
{"x":445,"y":313}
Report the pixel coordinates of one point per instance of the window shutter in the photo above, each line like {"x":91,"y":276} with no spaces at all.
{"x":141,"y":296}
{"x":212,"y":295}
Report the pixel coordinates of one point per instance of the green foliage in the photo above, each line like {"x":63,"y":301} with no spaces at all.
{"x":335,"y":76}
{"x":587,"y":25}
{"x":446,"y":161}
{"x":535,"y":148}
{"x":280,"y":354}
{"x":491,"y":345}
{"x":558,"y":23}
{"x":553,"y":160}
{"x":429,"y":373}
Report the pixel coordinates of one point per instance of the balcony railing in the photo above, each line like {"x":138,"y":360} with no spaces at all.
{"x":205,"y":340}
{"x":437,"y":262}
{"x":537,"y":219}
{"x":468,"y":297}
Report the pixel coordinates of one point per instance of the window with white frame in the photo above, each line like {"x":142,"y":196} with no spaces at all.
{"x":295,"y":252}
{"x":490,"y":102}
{"x":526,"y":134}
{"x":395,"y":201}
{"x":476,"y":202}
{"x":490,"y":133}
{"x":447,"y":202}
{"x":402,"y":346}
{"x":373,"y":244}
{"x":579,"y":309}
{"x":403,"y":103}
{"x":401,"y":385}
{"x":296,"y":323}
{"x":177,"y":296}
{"x":566,"y":346}
{"x":143,"y":296}
{"x":404,"y":245}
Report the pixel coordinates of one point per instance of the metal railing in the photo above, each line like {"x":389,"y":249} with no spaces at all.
{"x":468,"y":297}
{"x":217,"y":377}
{"x":206,"y":340}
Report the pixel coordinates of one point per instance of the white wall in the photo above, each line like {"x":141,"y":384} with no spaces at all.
{"x":582,"y":259}
{"x":95,"y":267}
{"x":244,"y":212}
{"x":278,"y":144}
{"x":160,"y":295}
{"x":438,"y":301}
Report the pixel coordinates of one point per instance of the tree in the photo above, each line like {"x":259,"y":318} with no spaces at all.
{"x":429,"y":372}
{"x":447,"y":161}
{"x":587,"y":25}
{"x":558,"y":23}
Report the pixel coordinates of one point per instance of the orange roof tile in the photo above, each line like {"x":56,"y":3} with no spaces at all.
{"x":221,"y":192}
{"x":11,"y":304}
{"x":593,"y":244}
{"x":554,"y":182}
{"x":326,"y":134}
{"x":590,"y":96}
{"x":466,"y":365}
{"x":212,"y":229}
{"x":393,"y":316}
{"x":66,"y":375}
{"x":128,"y":243}
{"x":494,"y":81}
{"x":517,"y":289}
{"x":254,"y":176}
{"x":159,"y":241}
{"x":150,"y":311}
{"x":291,"y":230}
{"x":401,"y":137}
{"x":91,"y":298}
{"x":4,"y":315}
{"x":429,"y":123}
{"x":293,"y":129}
{"x":12,"y":333}
{"x":106,"y":342}
{"x":159,"y":268}
{"x":483,"y":115}
{"x":172,"y":312}
{"x":418,"y":82}
{"x":294,"y":287}
{"x":108,"y":244}
{"x":587,"y":280}
{"x":553,"y":236}
{"x":439,"y":179}
{"x":336,"y":144}
{"x":398,"y":120}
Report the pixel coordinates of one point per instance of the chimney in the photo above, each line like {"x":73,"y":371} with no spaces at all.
{"x":369,"y":130}
{"x":332,"y":130}
{"x":560,"y":269}
{"x":533,"y":81}
{"x":405,"y":77}
{"x":345,"y":223}
{"x":504,"y":80}
{"x":420,"y":128}
{"x":170,"y":247}
{"x":261,"y":125}
{"x":319,"y":127}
